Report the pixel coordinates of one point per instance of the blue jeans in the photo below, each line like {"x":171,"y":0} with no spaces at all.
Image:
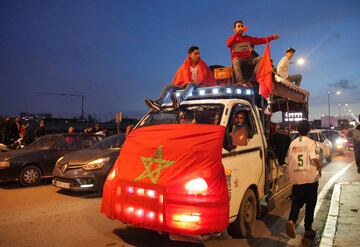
{"x":171,"y":88}
{"x":239,"y":64}
{"x":295,"y":78}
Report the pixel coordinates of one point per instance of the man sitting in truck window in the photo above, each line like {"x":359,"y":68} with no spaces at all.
{"x":194,"y":72}
{"x":239,"y":45}
{"x":185,"y":118}
{"x":239,"y":132}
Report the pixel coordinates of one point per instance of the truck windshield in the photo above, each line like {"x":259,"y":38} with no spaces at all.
{"x":186,"y":114}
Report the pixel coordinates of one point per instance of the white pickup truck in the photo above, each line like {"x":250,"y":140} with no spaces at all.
{"x":255,"y":182}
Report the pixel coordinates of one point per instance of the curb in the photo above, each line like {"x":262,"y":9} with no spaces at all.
{"x":328,"y":236}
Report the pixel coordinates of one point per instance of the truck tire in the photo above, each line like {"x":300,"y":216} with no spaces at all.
{"x":245,"y":221}
{"x":30,"y":175}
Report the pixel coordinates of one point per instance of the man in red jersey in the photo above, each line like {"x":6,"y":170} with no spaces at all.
{"x":239,"y":45}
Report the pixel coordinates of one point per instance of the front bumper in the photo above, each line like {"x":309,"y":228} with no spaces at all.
{"x":80,"y":180}
{"x":151,"y":207}
{"x":9,"y":174}
{"x":338,"y":148}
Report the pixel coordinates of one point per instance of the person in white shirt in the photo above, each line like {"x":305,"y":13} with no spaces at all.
{"x":304,"y":171}
{"x":283,"y":68}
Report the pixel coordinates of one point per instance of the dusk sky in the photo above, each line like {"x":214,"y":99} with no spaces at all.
{"x":117,"y":53}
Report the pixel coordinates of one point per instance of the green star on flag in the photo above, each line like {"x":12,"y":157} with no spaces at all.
{"x":148,"y":162}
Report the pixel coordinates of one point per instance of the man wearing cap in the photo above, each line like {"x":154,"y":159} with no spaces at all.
{"x":283,"y":68}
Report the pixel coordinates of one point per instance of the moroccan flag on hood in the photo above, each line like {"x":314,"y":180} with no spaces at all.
{"x":170,"y":178}
{"x":264,"y":74}
{"x":183,"y":75}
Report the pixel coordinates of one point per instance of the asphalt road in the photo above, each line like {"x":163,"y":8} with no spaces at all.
{"x":46,"y":216}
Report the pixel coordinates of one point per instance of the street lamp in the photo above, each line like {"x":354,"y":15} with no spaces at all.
{"x":300,"y":61}
{"x":337,"y":93}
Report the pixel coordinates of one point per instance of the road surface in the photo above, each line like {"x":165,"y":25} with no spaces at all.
{"x":46,"y":216}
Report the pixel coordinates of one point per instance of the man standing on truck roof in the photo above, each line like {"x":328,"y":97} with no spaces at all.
{"x":304,"y":171}
{"x":283,"y":68}
{"x":192,"y":73}
{"x":239,"y":45}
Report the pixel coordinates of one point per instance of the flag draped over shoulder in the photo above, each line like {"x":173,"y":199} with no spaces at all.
{"x":183,"y":74}
{"x":163,"y":159}
{"x":264,"y":74}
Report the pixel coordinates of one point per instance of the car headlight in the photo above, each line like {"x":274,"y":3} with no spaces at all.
{"x":4,"y":164}
{"x":339,"y":141}
{"x":96,"y":164}
{"x":57,"y":162}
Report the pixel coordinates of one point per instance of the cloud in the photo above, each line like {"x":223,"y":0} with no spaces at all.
{"x":344,"y":84}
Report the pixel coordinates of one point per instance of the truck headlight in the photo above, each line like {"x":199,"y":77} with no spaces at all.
{"x":196,"y":186}
{"x":96,"y":164}
{"x":4,"y":164}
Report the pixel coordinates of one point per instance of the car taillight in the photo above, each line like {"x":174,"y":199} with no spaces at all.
{"x":196,"y":186}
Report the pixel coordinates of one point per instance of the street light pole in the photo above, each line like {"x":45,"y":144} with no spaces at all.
{"x":340,"y":111}
{"x":337,"y":92}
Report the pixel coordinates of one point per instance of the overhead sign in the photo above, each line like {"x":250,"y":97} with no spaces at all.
{"x":294,"y":116}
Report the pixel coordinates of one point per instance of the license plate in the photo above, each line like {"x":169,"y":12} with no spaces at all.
{"x":62,"y":185}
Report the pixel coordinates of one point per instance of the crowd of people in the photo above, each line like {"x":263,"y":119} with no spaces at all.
{"x":16,"y":131}
{"x":12,"y":129}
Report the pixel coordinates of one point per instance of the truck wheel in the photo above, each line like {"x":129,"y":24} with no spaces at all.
{"x":329,"y":158}
{"x":30,"y":175}
{"x":244,"y":223}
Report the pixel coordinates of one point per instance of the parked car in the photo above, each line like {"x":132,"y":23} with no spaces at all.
{"x":325,"y":147}
{"x":337,"y":141}
{"x":38,"y":159}
{"x":87,"y":169}
{"x":3,"y":148}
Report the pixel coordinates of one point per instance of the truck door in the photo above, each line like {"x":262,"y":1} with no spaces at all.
{"x":243,"y":155}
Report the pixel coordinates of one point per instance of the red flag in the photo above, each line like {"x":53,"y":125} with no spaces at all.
{"x":264,"y":73}
{"x":170,"y":178}
{"x":183,"y":76}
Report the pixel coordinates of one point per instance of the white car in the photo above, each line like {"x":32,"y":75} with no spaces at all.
{"x":325,"y":146}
